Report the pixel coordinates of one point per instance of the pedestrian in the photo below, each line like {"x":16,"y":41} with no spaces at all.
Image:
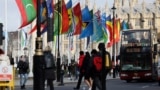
{"x":49,"y":67}
{"x":23,"y":67}
{"x":62,"y":73}
{"x":70,"y":71}
{"x":81,"y":72}
{"x":86,"y":68}
{"x":76,"y":70}
{"x":106,"y":65}
{"x":4,"y":59}
{"x":96,"y":75}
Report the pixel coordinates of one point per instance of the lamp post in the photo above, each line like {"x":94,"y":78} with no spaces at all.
{"x":114,"y":46}
{"x":38,"y":58}
{"x":58,"y":53}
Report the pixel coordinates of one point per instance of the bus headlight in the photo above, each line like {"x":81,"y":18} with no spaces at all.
{"x":124,"y":75}
{"x":148,"y":74}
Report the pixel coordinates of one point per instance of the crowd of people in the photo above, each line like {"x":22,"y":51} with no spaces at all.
{"x":82,"y":68}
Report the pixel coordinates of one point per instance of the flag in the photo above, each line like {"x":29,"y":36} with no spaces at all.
{"x":117,"y":30}
{"x":49,"y":27}
{"x":27,"y":10}
{"x":88,"y":31}
{"x":86,"y":15}
{"x":65,"y":18}
{"x":23,"y":38}
{"x":57,"y":22}
{"x":109,"y":28}
{"x":78,"y":19}
{"x":97,"y":31}
{"x":103,"y":22}
{"x":43,"y":11}
{"x":69,"y":10}
{"x":124,"y":25}
{"x":50,"y":8}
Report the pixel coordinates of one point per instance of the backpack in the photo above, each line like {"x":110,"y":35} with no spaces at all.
{"x":97,"y":62}
{"x":49,"y":62}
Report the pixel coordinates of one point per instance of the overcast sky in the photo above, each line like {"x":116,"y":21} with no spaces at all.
{"x":11,"y":19}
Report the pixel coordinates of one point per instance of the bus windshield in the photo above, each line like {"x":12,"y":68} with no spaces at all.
{"x":136,"y":50}
{"x":140,"y":38}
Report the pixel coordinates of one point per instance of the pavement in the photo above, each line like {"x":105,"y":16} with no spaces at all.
{"x":66,"y":80}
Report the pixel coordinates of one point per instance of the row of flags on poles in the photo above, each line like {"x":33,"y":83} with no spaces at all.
{"x":72,"y":20}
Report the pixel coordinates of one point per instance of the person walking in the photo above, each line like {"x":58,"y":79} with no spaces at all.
{"x":106,"y":65}
{"x":23,"y":67}
{"x":81,"y":74}
{"x":96,"y":75}
{"x":49,"y":67}
{"x":86,"y":68}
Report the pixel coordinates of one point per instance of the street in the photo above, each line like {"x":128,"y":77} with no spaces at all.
{"x":112,"y":84}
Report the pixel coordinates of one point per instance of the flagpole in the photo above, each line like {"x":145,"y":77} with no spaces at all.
{"x":38,"y":58}
{"x":58,"y":53}
{"x":6,"y":31}
{"x":114,"y":46}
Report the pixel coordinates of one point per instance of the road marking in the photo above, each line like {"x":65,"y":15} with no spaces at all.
{"x":145,"y":86}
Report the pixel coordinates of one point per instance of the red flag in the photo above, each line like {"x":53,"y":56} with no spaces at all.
{"x":78,"y":19}
{"x":27,"y":10}
{"x":65,"y":18}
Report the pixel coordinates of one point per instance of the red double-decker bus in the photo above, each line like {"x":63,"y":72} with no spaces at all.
{"x":138,"y":55}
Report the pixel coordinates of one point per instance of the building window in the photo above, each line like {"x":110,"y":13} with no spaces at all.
{"x":137,"y":22}
{"x":65,"y":46}
{"x":150,"y":22}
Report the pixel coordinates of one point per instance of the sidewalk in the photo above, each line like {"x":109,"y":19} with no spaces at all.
{"x":66,"y":81}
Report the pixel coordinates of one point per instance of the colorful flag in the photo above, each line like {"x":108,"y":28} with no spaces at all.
{"x":27,"y":9}
{"x":23,"y":38}
{"x":50,"y":8}
{"x":109,"y":28}
{"x":88,"y":31}
{"x":86,"y":15}
{"x":97,"y":31}
{"x":78,"y":19}
{"x":65,"y":18}
{"x":124,"y":25}
{"x":57,"y":22}
{"x":117,"y":30}
{"x":70,"y":15}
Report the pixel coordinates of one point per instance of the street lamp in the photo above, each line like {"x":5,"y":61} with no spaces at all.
{"x":58,"y":54}
{"x":114,"y":49}
{"x":38,"y":58}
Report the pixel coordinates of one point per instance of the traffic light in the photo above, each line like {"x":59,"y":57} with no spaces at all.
{"x":1,"y":33}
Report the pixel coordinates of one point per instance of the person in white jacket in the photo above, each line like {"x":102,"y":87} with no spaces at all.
{"x":4,"y":59}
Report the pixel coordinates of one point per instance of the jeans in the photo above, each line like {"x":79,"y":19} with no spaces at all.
{"x":23,"y":79}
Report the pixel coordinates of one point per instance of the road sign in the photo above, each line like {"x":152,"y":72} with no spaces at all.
{"x":6,"y":73}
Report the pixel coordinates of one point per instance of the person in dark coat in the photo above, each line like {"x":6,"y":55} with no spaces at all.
{"x":23,"y":67}
{"x":86,"y":68}
{"x":49,"y":67}
{"x":105,"y":70}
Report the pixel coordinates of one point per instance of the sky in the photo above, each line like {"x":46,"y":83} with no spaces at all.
{"x":11,"y":19}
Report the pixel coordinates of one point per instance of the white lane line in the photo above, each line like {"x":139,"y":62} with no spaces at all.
{"x":145,"y":86}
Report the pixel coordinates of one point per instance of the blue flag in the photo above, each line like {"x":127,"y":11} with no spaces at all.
{"x":86,"y":15}
{"x":88,"y":31}
{"x":98,"y":31}
{"x":50,"y":8}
